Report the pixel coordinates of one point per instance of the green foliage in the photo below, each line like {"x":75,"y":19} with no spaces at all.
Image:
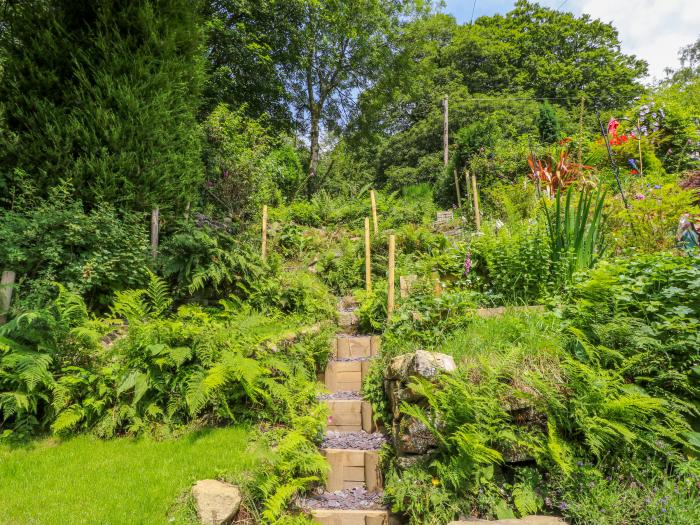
{"x":293,"y":467}
{"x":94,"y":253}
{"x":169,"y":369}
{"x":104,"y":95}
{"x":513,"y":264}
{"x":512,"y":401}
{"x":642,"y":494}
{"x":245,"y":166}
{"x":576,"y":228}
{"x":548,"y":124}
{"x":640,"y":316}
{"x":655,"y":210}
{"x":418,"y":495}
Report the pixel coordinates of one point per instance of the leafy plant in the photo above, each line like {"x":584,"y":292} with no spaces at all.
{"x":576,"y":229}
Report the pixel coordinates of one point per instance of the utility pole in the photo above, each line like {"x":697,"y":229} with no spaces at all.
{"x":446,"y":132}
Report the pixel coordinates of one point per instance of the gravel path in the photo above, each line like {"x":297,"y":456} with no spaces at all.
{"x":349,"y":499}
{"x":351,"y":395}
{"x":354,"y":440}
{"x":347,"y":359}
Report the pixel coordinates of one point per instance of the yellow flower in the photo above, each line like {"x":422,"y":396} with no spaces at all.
{"x":436,"y":482}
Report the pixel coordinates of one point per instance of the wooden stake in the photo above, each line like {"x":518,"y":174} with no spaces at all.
{"x":446,"y":132}
{"x":391,"y":291}
{"x":264,"y":232}
{"x":475,"y":194}
{"x":373,"y":199}
{"x":639,"y":142}
{"x":459,"y":196}
{"x":7,"y":282}
{"x":368,"y":260}
{"x":467,"y":191}
{"x":155,"y":228}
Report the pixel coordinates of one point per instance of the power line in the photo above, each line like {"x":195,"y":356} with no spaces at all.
{"x":562,"y":4}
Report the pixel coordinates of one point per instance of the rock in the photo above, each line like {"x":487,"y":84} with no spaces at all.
{"x":420,"y":363}
{"x":406,"y":462}
{"x":528,"y":520}
{"x":413,"y":437}
{"x":217,"y":502}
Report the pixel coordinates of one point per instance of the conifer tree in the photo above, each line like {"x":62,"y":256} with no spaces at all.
{"x":548,"y":124}
{"x":104,"y":93}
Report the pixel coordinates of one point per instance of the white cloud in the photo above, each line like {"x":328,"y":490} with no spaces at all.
{"x":651,"y":29}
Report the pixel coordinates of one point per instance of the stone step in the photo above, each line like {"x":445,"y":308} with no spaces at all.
{"x":353,"y":468}
{"x":345,"y":375}
{"x":353,"y":517}
{"x":348,"y":320}
{"x":346,"y":346}
{"x":349,"y":415}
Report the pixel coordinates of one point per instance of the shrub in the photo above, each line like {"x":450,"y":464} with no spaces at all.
{"x":641,"y":316}
{"x":93,"y":253}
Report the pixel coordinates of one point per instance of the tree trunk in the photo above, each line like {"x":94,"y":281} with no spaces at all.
{"x":314,"y":141}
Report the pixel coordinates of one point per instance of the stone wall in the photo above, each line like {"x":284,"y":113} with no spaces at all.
{"x":413,"y":441}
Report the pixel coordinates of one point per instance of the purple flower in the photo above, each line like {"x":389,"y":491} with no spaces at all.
{"x":657,"y":187}
{"x":563,"y":505}
{"x":639,"y":197}
{"x":468,"y":263}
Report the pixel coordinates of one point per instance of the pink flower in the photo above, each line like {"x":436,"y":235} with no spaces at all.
{"x":468,"y":263}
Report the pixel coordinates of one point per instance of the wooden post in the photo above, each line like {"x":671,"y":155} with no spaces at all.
{"x":392,"y":288}
{"x":467,"y":191}
{"x":580,"y":135}
{"x":264,"y":232}
{"x":368,"y":261}
{"x":639,"y":142}
{"x":155,"y":228}
{"x":446,"y":132}
{"x":475,"y":194}
{"x":459,"y":196}
{"x":7,"y":282}
{"x":373,"y":199}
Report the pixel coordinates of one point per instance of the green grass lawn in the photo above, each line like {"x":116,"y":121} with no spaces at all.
{"x":122,"y":481}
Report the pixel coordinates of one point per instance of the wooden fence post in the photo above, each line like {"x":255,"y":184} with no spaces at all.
{"x":155,"y":229}
{"x":392,"y":288}
{"x":475,"y":193}
{"x":373,"y":199}
{"x":264,"y":232}
{"x":459,"y":196}
{"x":368,"y":261}
{"x":7,"y":282}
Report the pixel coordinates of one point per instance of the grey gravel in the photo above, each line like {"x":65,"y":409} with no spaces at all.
{"x":347,"y":359}
{"x":346,"y":395}
{"x":354,"y":440}
{"x":348,"y":499}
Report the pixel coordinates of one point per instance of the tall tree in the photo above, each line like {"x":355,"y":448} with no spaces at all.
{"x":341,"y":47}
{"x":248,"y":49}
{"x":104,"y":93}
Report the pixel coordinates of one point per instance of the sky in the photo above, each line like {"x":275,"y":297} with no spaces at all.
{"x":654,"y":30}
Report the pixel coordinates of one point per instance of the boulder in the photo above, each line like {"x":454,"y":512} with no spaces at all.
{"x":217,"y":502}
{"x":420,"y":364}
{"x":528,"y":520}
{"x":413,"y":437}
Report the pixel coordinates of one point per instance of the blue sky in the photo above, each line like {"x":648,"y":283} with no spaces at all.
{"x":651,"y":29}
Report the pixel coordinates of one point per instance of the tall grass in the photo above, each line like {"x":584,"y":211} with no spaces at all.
{"x":575,"y":227}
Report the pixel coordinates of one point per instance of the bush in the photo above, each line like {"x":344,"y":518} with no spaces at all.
{"x":642,"y":317}
{"x":61,"y":369}
{"x":93,"y":253}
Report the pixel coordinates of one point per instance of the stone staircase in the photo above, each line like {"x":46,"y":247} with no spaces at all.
{"x":353,"y":492}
